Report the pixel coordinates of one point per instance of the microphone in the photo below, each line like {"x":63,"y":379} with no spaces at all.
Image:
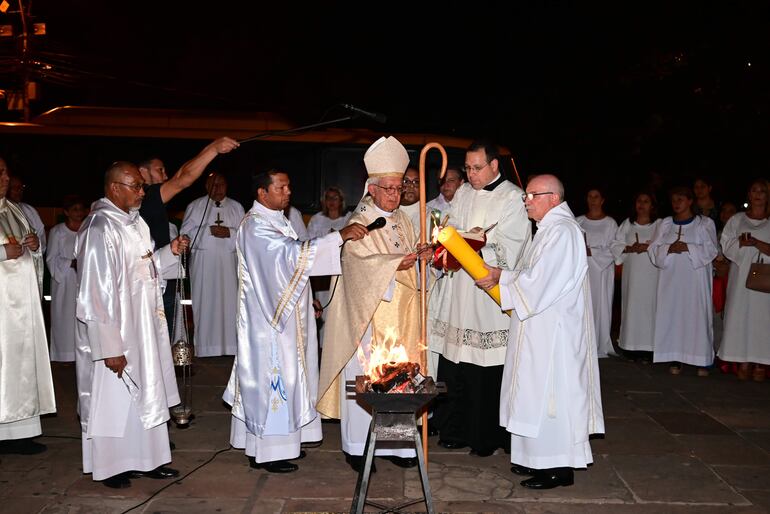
{"x":378,"y":223}
{"x":376,"y":116}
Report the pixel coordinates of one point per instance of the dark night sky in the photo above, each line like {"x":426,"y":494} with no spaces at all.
{"x":602,"y":92}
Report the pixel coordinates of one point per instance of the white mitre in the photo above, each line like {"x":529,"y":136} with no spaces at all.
{"x":386,"y":157}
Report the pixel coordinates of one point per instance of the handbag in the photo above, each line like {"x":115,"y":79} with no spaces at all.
{"x":758,"y":278}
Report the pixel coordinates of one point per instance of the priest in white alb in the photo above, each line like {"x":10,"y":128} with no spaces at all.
{"x":211,"y":221}
{"x":125,"y":375}
{"x":26,"y":386}
{"x":550,"y":401}
{"x":375,"y":297}
{"x":274,"y":382}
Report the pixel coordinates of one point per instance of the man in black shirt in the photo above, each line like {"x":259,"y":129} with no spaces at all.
{"x":162,"y":189}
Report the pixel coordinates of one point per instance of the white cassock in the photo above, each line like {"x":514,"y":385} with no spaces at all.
{"x":413,"y":211}
{"x":64,"y":292}
{"x":683,"y":317}
{"x":213,"y":274}
{"x":550,"y":399}
{"x":26,"y":384}
{"x":439,"y":204}
{"x":318,"y":226}
{"x":120,"y":312}
{"x":273,"y":386}
{"x":464,"y":323}
{"x":298,"y":224}
{"x":33,"y":218}
{"x":746,"y":336}
{"x":601,"y":275}
{"x":639,"y":286}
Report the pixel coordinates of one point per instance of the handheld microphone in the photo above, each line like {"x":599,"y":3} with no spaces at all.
{"x":378,"y":223}
{"x":376,"y":116}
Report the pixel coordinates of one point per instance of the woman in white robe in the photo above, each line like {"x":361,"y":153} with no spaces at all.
{"x":640,"y":277}
{"x":745,"y":239}
{"x":64,"y":279}
{"x":599,"y":234}
{"x":683,"y":247}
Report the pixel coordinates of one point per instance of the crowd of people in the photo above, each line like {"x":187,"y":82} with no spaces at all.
{"x":303,"y":308}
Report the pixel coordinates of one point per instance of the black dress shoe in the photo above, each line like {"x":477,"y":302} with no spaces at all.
{"x":301,"y":455}
{"x":22,"y":447}
{"x":523,"y":470}
{"x":357,"y":463}
{"x":274,"y":466}
{"x":550,"y":478}
{"x":452,"y":445}
{"x":402,"y":462}
{"x":312,"y":444}
{"x":159,"y":473}
{"x":482,"y":452}
{"x":119,"y":481}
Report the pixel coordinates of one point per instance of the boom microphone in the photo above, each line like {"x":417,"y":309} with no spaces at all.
{"x":378,"y":223}
{"x":376,"y":116}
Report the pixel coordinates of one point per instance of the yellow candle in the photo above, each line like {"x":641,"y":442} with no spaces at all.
{"x":468,"y":259}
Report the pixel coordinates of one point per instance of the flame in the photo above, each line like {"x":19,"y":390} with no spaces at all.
{"x":381,"y":353}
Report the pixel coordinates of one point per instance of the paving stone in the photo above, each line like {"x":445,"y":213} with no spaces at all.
{"x":76,"y":505}
{"x":746,"y":477}
{"x":756,"y":417}
{"x":208,"y":431}
{"x":673,"y":478}
{"x":208,"y":398}
{"x":203,"y":505}
{"x":724,"y":449}
{"x":689,"y":423}
{"x":759,"y":437}
{"x":634,"y":436}
{"x":227,"y":476}
{"x":620,"y":404}
{"x":652,"y":401}
{"x":759,"y":498}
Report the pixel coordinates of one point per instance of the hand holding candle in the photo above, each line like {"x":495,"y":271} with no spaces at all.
{"x":471,"y":262}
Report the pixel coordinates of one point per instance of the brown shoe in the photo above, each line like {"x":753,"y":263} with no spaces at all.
{"x":759,"y":373}
{"x":703,"y":372}
{"x":743,"y":371}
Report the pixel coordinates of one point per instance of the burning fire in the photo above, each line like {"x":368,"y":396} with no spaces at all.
{"x":382,"y":353}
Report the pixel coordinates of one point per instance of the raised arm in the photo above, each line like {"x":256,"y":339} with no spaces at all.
{"x":194,"y":168}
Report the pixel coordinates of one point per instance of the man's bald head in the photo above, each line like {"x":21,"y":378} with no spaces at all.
{"x":547,"y":192}
{"x":123,"y":185}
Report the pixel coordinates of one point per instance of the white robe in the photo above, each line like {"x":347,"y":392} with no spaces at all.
{"x":273,"y":386}
{"x":550,"y":398}
{"x":441,"y":281}
{"x":639,"y":286}
{"x":318,"y":226}
{"x":601,"y":275}
{"x":213,"y":275}
{"x":26,"y":384}
{"x":746,"y":336}
{"x":64,"y":292}
{"x":120,"y":312}
{"x":683,"y":317}
{"x":33,"y":218}
{"x":464,"y":323}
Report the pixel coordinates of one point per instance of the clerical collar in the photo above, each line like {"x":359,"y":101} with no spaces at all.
{"x":491,"y":186}
{"x":380,"y":211}
{"x":683,"y":222}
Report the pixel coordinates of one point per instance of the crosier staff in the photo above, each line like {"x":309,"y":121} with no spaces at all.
{"x":424,"y":279}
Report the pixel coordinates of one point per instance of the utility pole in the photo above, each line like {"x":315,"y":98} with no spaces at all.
{"x":23,"y":62}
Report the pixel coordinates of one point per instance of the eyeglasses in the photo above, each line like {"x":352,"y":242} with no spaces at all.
{"x":397,"y":190}
{"x":474,"y":169}
{"x":531,"y":196}
{"x":135,"y":187}
{"x":411,"y":183}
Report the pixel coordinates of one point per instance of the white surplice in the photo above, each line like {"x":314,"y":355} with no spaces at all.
{"x":213,"y":274}
{"x":26,"y":384}
{"x":550,"y":399}
{"x":273,"y":386}
{"x":601,"y":275}
{"x":64,"y":292}
{"x":464,"y":323}
{"x":683,"y":316}
{"x":120,"y":312}
{"x":746,"y":336}
{"x":298,"y":224}
{"x":639,"y":286}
